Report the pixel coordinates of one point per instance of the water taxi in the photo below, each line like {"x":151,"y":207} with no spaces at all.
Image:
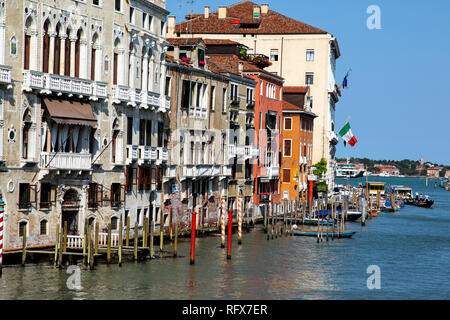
{"x":375,"y":187}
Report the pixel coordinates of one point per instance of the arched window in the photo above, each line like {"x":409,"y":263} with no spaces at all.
{"x":114,"y":147}
{"x":22,"y":226}
{"x":46,"y":47}
{"x":114,"y":223}
{"x":26,"y":134}
{"x":67,"y":53}
{"x":27,"y":44}
{"x":13,"y":48}
{"x":116,"y":61}
{"x":93,"y":56}
{"x":77,"y":53}
{"x":130,"y":64}
{"x":57,"y":50}
{"x":43,"y":228}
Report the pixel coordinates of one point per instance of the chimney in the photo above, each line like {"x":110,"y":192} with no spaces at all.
{"x":264,"y":8}
{"x":241,"y":67}
{"x":222,"y":12}
{"x":171,"y":27}
{"x":206,"y":12}
{"x":256,"y":12}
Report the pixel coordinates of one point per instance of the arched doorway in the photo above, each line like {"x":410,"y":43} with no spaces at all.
{"x":70,"y":211}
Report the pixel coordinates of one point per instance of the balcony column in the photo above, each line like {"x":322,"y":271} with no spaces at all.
{"x":120,"y":67}
{"x":83,"y":59}
{"x":62,"y":54}
{"x":51,"y":51}
{"x":145,"y":75}
{"x":72,"y":56}
{"x":131,"y":70}
{"x":151,"y":79}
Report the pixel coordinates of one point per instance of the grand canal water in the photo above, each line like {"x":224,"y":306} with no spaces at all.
{"x":411,"y":248}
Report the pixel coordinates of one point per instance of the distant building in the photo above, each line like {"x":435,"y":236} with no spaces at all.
{"x":388,"y":169}
{"x":434,"y":172}
{"x":447,"y":174}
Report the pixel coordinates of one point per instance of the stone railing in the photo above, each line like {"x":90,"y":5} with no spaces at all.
{"x":5,"y":74}
{"x":65,"y":161}
{"x":48,"y":83}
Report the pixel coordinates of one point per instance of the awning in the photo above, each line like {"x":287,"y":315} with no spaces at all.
{"x":70,"y":112}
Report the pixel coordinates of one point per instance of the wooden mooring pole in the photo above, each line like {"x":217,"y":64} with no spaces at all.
{"x":97,"y":227}
{"x":108,"y":250}
{"x":230,"y":220}
{"x":175,"y":245}
{"x":135,"y":251}
{"x":56,"y":245}
{"x":24,"y":245}
{"x":127,"y":239}
{"x":152,"y":235}
{"x":193,"y":230}
{"x":120,"y":241}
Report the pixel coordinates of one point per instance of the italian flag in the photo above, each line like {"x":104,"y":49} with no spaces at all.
{"x":347,"y":134}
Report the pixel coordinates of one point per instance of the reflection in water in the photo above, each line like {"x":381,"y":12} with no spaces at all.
{"x":402,"y":245}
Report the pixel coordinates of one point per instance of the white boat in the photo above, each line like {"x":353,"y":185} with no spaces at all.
{"x":348,"y":170}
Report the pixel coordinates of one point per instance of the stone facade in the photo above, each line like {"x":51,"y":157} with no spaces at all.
{"x":95,"y":56}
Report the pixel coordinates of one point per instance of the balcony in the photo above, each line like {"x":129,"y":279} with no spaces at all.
{"x":162,"y":154}
{"x":235,"y":101}
{"x":132,"y":153}
{"x":172,"y":172}
{"x":65,"y":161}
{"x":48,"y":83}
{"x":197,"y":112}
{"x":165,"y":104}
{"x":273,"y":172}
{"x":251,"y":104}
{"x":226,"y":171}
{"x":251,"y":151}
{"x":124,"y":94}
{"x":144,"y":153}
{"x":202,"y":170}
{"x":5,"y":75}
{"x":235,"y":150}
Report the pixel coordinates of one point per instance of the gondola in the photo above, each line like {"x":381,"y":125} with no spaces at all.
{"x":351,"y":215}
{"x":315,"y":222}
{"x":312,"y":233}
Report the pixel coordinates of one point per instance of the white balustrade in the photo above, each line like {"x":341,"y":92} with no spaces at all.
{"x":65,"y":161}
{"x":58,"y":83}
{"x":5,"y":74}
{"x":74,"y":241}
{"x":103,"y":239}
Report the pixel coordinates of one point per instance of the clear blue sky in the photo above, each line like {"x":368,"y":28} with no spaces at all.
{"x":398,"y":98}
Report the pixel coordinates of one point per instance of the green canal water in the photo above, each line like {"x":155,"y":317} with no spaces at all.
{"x":412,"y":250}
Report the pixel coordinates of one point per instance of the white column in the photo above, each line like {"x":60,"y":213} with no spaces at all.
{"x":98,"y":63}
{"x":120,"y":67}
{"x":151,"y":74}
{"x":62,"y":54}
{"x":72,"y":56}
{"x":51,"y":52}
{"x":83,"y":59}
{"x":145,"y":74}
{"x":34,"y":50}
{"x":131,"y":73}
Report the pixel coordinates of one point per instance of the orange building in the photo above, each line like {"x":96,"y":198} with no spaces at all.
{"x":296,"y":153}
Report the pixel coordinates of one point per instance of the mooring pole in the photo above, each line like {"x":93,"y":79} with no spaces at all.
{"x":193,"y":230}
{"x":222,"y":224}
{"x":230,"y":219}
{"x":2,"y":210}
{"x":240,"y":221}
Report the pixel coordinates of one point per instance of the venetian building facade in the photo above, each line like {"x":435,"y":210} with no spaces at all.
{"x":65,"y":109}
{"x":199,"y":168}
{"x":300,"y":53}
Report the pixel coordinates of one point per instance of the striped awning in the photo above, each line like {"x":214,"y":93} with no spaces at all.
{"x":70,"y":112}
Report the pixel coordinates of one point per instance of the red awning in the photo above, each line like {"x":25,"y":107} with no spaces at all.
{"x":70,"y":112}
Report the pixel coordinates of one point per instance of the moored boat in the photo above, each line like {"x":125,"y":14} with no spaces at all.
{"x":315,"y":222}
{"x":419,"y":203}
{"x":313,"y":233}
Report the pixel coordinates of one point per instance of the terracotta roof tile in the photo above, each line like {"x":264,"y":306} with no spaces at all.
{"x":299,"y":89}
{"x":270,"y":23}
{"x":184,"y":41}
{"x":220,"y":42}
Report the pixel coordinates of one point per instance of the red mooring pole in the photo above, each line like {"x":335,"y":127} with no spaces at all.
{"x":230,"y":219}
{"x":193,"y":229}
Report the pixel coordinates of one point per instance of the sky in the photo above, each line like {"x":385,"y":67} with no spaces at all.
{"x":397,"y":98}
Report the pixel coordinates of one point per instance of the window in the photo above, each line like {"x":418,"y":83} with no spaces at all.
{"x":167,"y":88}
{"x":287,"y":123}
{"x":185,"y":98}
{"x":310,"y":55}
{"x":224,"y":100}
{"x":286,"y":175}
{"x":96,"y":2}
{"x":309,"y":78}
{"x":47,"y":195}
{"x":138,"y":216}
{"x":132,"y":15}
{"x":274,"y":55}
{"x":13,"y":49}
{"x":95,"y":195}
{"x":148,"y":132}
{"x":129,"y":130}
{"x":287,"y":148}
{"x":117,"y":194}
{"x":130,"y":176}
{"x":27,"y":195}
{"x":114,"y":223}
{"x":144,"y":20}
{"x":43,"y":228}
{"x":142,"y":132}
{"x":212,"y":98}
{"x":22,"y":227}
{"x":150,"y":23}
{"x":118,"y":5}
{"x":234,"y":92}
{"x":250,"y":96}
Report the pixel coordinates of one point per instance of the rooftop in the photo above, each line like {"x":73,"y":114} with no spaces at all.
{"x":240,"y":19}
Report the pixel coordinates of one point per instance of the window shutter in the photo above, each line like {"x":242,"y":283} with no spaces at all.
{"x":67,"y":57}
{"x":286,"y":175}
{"x":32,"y":194}
{"x":116,"y":63}
{"x":99,"y":194}
{"x":52,"y":196}
{"x":93,"y":64}
{"x":134,"y":176}
{"x":123,"y":190}
{"x":26,"y":65}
